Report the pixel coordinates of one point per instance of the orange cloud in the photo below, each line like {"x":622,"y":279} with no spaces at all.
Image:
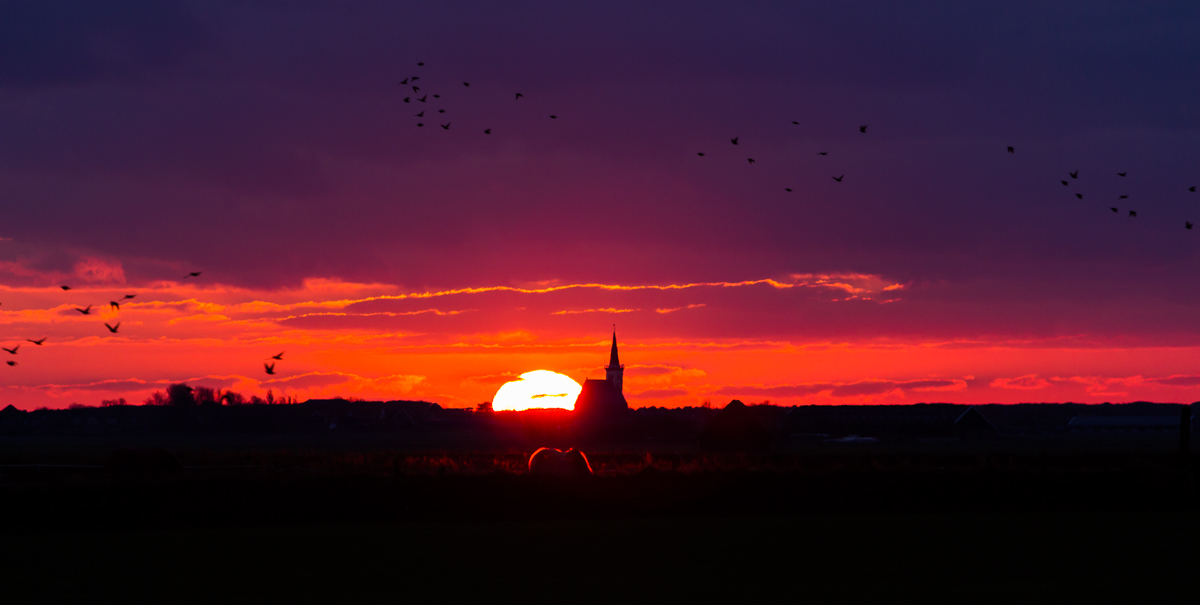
{"x":1028,"y":382}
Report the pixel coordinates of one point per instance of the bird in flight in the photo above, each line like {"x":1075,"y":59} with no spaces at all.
{"x":420,"y":124}
{"x":416,"y":89}
{"x":519,"y":95}
{"x":279,"y":356}
{"x":270,"y":367}
{"x":734,"y":140}
{"x":87,"y":311}
{"x":441,"y":111}
{"x":437,"y":96}
{"x":487,"y":131}
{"x":788,"y":189}
{"x":112,"y":329}
{"x":1123,"y":197}
{"x":795,"y":122}
{"x":1132,"y":213}
{"x":38,"y":342}
{"x":404,"y":81}
{"x":192,"y":274}
{"x":422,"y":99}
{"x":1010,"y":150}
{"x":420,"y":64}
{"x":446,"y":126}
{"x":11,"y":363}
{"x":1079,"y":195}
{"x":12,"y":350}
{"x":1064,"y":183}
{"x":65,"y":287}
{"x":114,"y":305}
{"x":751,"y":160}
{"x":415,"y":78}
{"x":467,"y":84}
{"x":700,"y":153}
{"x":553,"y":117}
{"x":839,"y":178}
{"x":822,"y":153}
{"x":1192,"y":189}
{"x":1113,"y":209}
{"x":1122,"y":173}
{"x":419,"y":115}
{"x":406,"y":99}
{"x":1075,"y":174}
{"x":863,"y":129}
{"x":128,"y":296}
{"x":1187,"y":225}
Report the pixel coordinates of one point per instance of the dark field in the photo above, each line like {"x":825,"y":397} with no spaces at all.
{"x":373,"y":517}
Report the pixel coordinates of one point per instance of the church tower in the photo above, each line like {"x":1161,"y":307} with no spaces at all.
{"x":615,"y":372}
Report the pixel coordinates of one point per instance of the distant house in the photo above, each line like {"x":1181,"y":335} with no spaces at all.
{"x":735,"y":428}
{"x":1123,"y":424}
{"x":972,"y":423}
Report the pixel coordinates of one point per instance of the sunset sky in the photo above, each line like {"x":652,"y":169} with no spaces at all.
{"x":268,"y":145}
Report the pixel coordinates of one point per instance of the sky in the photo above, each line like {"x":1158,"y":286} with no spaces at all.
{"x":269,"y":146}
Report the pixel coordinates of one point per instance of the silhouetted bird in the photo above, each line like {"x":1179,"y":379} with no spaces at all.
{"x":437,"y":96}
{"x":751,"y":160}
{"x":519,"y":95}
{"x":420,"y":124}
{"x":112,"y":329}
{"x":700,"y":153}
{"x":192,"y":274}
{"x":1132,"y":213}
{"x":553,"y":117}
{"x":128,"y":296}
{"x":114,"y":304}
{"x":420,"y":64}
{"x":822,"y":153}
{"x":1187,"y":225}
{"x":12,"y":350}
{"x":270,"y":367}
{"x":863,"y":129}
{"x":407,"y":99}
{"x":1064,"y":183}
{"x":279,"y":356}
{"x":1192,"y":189}
{"x":38,"y":342}
{"x":487,"y":131}
{"x":422,"y":99}
{"x":795,"y":122}
{"x":1122,"y":173}
{"x":404,"y":81}
{"x":1075,"y":174}
{"x":467,"y":84}
{"x":1123,"y":197}
{"x":11,"y":363}
{"x":441,"y":111}
{"x":87,"y":311}
{"x":839,"y":178}
{"x":1010,"y":150}
{"x":734,"y":140}
{"x":415,"y":78}
{"x":1113,"y":209}
{"x":65,"y":287}
{"x":788,"y":189}
{"x":1079,"y":195}
{"x":419,"y":115}
{"x":416,"y":89}
{"x":446,"y":126}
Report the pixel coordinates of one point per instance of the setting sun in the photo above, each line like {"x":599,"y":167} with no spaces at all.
{"x":537,"y":389}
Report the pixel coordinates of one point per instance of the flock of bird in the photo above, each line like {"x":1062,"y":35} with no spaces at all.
{"x":116,"y":306}
{"x":1124,"y":196}
{"x":411,"y":81}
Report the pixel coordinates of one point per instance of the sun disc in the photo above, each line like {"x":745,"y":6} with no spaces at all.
{"x":537,"y":389}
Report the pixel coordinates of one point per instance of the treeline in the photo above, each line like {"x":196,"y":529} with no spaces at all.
{"x":182,"y":395}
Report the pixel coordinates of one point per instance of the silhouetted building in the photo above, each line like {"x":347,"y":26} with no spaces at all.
{"x":735,"y":428}
{"x":604,"y":398}
{"x":973,"y":424}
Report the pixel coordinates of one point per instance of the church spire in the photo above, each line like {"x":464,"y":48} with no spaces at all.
{"x":612,"y":359}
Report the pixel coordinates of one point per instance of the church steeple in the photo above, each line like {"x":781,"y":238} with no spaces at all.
{"x":615,"y":372}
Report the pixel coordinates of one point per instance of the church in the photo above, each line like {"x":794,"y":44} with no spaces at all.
{"x":604,"y":398}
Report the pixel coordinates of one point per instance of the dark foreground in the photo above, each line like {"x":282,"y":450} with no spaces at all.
{"x":365,"y":520}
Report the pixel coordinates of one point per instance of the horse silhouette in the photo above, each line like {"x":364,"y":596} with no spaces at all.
{"x":549,"y":462}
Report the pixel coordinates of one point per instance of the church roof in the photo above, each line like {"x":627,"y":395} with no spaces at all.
{"x":600,"y":397}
